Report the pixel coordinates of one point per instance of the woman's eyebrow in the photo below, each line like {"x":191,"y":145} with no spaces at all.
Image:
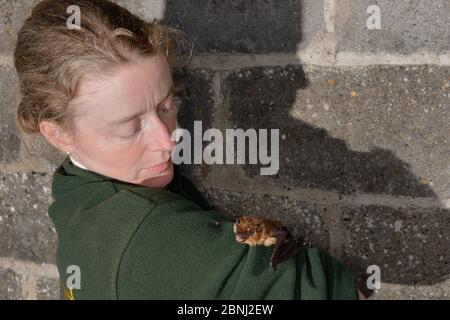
{"x":128,"y":118}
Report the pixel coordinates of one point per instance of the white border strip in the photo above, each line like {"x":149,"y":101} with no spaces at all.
{"x":217,"y":62}
{"x":25,"y":268}
{"x":419,"y":58}
{"x":329,"y":16}
{"x":322,"y":197}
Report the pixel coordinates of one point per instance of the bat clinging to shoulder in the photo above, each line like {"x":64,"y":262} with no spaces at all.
{"x":253,"y":230}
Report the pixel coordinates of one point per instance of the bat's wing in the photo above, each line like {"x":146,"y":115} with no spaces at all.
{"x":285,"y":247}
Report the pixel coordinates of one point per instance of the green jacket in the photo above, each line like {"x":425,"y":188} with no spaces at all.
{"x":133,"y":242}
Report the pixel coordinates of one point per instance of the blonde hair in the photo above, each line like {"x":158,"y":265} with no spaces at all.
{"x":50,"y":59}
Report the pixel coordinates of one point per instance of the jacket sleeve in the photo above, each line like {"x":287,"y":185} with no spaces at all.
{"x":322,"y":276}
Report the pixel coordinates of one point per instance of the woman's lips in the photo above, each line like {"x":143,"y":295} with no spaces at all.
{"x":158,"y":168}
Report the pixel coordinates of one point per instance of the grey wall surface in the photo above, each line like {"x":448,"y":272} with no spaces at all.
{"x":364,"y":119}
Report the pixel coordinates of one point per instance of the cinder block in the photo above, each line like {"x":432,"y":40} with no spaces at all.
{"x":409,"y":245}
{"x":47,"y":289}
{"x":9,"y":140}
{"x":11,"y":285}
{"x":305,"y":220}
{"x":39,"y":155}
{"x":145,"y":9}
{"x":388,"y":291}
{"x":26,"y":231}
{"x":13,"y":14}
{"x":195,"y":103}
{"x":239,"y":26}
{"x":196,"y":98}
{"x":378,"y":129}
{"x":406,"y":26}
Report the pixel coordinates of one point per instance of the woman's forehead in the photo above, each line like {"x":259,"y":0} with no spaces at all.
{"x":150,"y":73}
{"x":131,"y":86}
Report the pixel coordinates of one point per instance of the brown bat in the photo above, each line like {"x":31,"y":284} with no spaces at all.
{"x":253,"y":230}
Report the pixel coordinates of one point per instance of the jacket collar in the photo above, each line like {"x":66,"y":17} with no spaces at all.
{"x":68,"y":176}
{"x":67,"y":167}
{"x":70,"y":169}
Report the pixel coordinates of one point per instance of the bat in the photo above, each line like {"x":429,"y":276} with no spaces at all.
{"x":253,"y":230}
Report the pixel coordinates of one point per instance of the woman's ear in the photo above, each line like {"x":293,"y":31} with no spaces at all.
{"x":56,"y":135}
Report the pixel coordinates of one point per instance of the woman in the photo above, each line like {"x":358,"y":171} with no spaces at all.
{"x":127,"y":222}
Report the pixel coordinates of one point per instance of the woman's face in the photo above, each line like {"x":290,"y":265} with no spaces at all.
{"x":124,"y":123}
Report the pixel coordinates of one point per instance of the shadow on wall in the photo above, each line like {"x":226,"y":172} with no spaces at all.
{"x":411,"y":244}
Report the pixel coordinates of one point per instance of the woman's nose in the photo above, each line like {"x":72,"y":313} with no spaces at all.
{"x":158,"y":135}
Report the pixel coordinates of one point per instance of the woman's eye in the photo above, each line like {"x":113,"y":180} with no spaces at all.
{"x":131,"y":131}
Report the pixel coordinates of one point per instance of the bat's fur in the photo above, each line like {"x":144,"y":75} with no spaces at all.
{"x":256,"y":231}
{"x":253,"y":230}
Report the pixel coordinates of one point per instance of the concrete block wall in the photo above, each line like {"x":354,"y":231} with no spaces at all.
{"x":364,"y":119}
